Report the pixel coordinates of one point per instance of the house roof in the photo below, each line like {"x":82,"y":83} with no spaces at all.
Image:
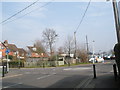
{"x":31,"y":48}
{"x":12,"y":47}
{"x":33,"y":52}
{"x":21,"y":50}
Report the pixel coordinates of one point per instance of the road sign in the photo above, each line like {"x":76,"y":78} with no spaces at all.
{"x":7,"y":51}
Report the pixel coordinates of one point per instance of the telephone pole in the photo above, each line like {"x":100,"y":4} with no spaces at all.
{"x":87,"y":46}
{"x":75,"y":45}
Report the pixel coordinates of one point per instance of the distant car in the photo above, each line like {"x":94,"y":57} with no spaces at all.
{"x":100,"y":59}
{"x":112,"y":57}
{"x":92,"y":59}
{"x":97,"y":59}
{"x":109,"y":57}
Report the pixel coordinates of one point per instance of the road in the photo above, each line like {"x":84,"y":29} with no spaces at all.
{"x":56,"y":77}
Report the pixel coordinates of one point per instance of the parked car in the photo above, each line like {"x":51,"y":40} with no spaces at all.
{"x":100,"y":59}
{"x":109,"y":57}
{"x":92,"y":59}
{"x":97,"y":59}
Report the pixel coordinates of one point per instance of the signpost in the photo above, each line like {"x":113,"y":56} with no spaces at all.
{"x":7,"y":66}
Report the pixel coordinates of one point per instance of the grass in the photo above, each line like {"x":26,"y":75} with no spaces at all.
{"x":57,"y":65}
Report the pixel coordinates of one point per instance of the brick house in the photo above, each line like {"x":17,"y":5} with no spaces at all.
{"x":32,"y":52}
{"x":14,"y":51}
{"x":22,"y":53}
{"x":2,"y":50}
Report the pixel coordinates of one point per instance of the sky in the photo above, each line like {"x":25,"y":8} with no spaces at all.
{"x":64,"y":17}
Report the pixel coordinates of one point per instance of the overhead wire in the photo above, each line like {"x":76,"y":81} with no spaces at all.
{"x":82,"y":17}
{"x":75,"y":42}
{"x":30,"y":12}
{"x":19,"y":12}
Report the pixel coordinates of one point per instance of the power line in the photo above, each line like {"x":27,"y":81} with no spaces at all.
{"x":19,"y":12}
{"x":83,"y":16}
{"x":30,"y":12}
{"x":78,"y":28}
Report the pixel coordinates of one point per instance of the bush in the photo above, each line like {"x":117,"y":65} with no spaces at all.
{"x":9,"y":57}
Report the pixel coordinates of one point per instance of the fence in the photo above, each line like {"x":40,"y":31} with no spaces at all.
{"x":41,"y":64}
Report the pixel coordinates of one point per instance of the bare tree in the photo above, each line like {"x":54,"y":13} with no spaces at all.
{"x":49,"y":36}
{"x":60,"y":50}
{"x":82,"y":54}
{"x":69,"y":45}
{"x":40,"y":48}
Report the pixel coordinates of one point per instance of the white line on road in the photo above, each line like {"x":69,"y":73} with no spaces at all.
{"x":12,"y":85}
{"x":43,"y":77}
{"x":46,"y":76}
{"x":80,"y":68}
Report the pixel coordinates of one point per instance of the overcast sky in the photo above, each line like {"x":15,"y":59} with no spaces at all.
{"x":64,"y":17}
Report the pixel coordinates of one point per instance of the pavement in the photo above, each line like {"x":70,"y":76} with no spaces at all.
{"x":104,"y":81}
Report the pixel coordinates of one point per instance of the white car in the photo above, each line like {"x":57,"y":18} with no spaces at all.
{"x":92,"y":59}
{"x":100,"y":59}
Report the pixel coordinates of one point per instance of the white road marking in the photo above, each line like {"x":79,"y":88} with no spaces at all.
{"x":80,"y":68}
{"x":43,"y":77}
{"x":46,"y":76}
{"x":12,"y":85}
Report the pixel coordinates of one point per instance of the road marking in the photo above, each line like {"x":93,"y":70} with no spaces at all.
{"x":80,"y":68}
{"x":43,"y":77}
{"x":12,"y":76}
{"x":12,"y":85}
{"x":47,"y":76}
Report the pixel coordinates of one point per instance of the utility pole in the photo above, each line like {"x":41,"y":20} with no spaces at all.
{"x":75,"y":45}
{"x":87,"y":46}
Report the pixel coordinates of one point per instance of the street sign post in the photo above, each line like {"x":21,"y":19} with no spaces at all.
{"x":7,"y":51}
{"x":7,"y":66}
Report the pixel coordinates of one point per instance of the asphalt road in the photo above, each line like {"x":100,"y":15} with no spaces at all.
{"x":57,"y":77}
